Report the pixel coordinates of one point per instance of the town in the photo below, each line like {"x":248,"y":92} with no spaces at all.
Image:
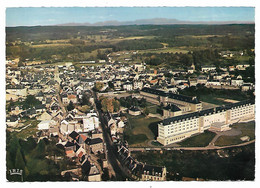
{"x":130,"y":103}
{"x":64,"y":102}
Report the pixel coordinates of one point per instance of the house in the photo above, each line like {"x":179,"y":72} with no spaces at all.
{"x":190,"y":70}
{"x":54,"y":131}
{"x":45,"y":116}
{"x":45,"y":125}
{"x":12,"y":121}
{"x":128,"y":86}
{"x":90,"y":122}
{"x":242,"y":67}
{"x":73,"y":98}
{"x":237,"y":82}
{"x":40,"y":108}
{"x":97,"y":134}
{"x":202,"y":79}
{"x":18,"y":90}
{"x":138,"y":85}
{"x":208,"y":68}
{"x":193,"y":82}
{"x":74,"y":135}
{"x":96,"y":145}
{"x":247,"y":86}
{"x":134,"y":111}
{"x":213,"y":83}
{"x":16,"y":110}
{"x":113,"y":129}
{"x":139,"y":67}
{"x":102,"y":61}
{"x":65,"y":99}
{"x":231,"y":68}
{"x":153,"y":173}
{"x":94,"y":174}
{"x":70,"y":153}
{"x":120,"y":124}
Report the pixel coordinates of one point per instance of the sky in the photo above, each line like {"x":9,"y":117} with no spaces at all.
{"x":54,"y":15}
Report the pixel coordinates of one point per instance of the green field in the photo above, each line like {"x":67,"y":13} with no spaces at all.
{"x":153,"y":108}
{"x":247,"y":129}
{"x":138,"y":132}
{"x":212,"y":99}
{"x":200,"y":140}
{"x":165,"y":50}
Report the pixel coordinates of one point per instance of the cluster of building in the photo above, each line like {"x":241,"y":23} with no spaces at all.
{"x":79,"y":132}
{"x":140,"y":171}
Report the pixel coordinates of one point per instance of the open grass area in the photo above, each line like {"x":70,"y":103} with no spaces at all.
{"x":212,"y":99}
{"x":247,"y":129}
{"x":242,"y":58}
{"x":153,"y":108}
{"x":200,"y":140}
{"x":138,"y":132}
{"x":165,"y":50}
{"x":50,"y":45}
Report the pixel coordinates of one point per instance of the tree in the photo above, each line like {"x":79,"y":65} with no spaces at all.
{"x":19,"y":160}
{"x":30,"y":102}
{"x":98,"y":86}
{"x":85,"y":100}
{"x":146,"y":111}
{"x":143,"y":102}
{"x":20,"y":64}
{"x":107,"y":105}
{"x":111,"y":85}
{"x":116,"y":105}
{"x":40,"y":149}
{"x":70,"y":106}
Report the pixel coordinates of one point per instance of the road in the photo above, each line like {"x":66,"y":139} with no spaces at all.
{"x":211,"y":147}
{"x":121,"y":173}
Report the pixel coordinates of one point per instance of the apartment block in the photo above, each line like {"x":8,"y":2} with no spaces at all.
{"x":177,"y":128}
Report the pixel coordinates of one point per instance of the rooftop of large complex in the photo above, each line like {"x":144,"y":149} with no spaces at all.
{"x":184,"y":98}
{"x":206,"y":112}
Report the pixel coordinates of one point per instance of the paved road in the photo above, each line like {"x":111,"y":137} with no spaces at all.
{"x":121,"y":174}
{"x":211,"y":147}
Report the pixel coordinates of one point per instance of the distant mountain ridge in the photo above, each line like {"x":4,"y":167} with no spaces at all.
{"x":154,"y":21}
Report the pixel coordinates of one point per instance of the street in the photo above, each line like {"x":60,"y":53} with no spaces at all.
{"x":121,"y":174}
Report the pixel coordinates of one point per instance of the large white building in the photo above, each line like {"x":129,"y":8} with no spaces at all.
{"x":45,"y":125}
{"x":175,"y":129}
{"x":90,"y":122}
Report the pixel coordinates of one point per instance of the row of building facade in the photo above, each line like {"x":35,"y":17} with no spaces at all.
{"x":177,"y":128}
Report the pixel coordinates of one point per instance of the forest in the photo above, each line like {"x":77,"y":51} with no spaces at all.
{"x":72,"y":43}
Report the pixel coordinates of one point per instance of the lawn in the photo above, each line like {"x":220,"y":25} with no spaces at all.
{"x":247,"y":129}
{"x":153,"y":108}
{"x":138,"y":132}
{"x":200,"y":140}
{"x":212,"y":99}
